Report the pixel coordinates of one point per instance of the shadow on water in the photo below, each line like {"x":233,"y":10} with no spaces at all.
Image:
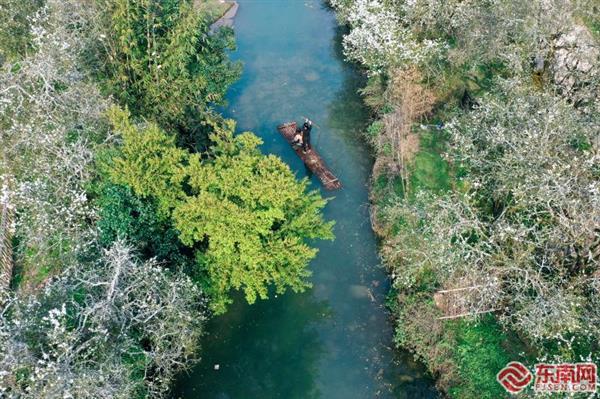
{"x":335,"y":340}
{"x":349,"y":116}
{"x":238,"y":367}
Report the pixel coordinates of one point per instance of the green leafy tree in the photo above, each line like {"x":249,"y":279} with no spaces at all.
{"x":150,"y":162}
{"x":244,"y":214}
{"x":125,"y":216}
{"x":162,"y":63}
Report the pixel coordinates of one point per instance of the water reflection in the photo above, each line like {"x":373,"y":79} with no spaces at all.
{"x":349,"y":116}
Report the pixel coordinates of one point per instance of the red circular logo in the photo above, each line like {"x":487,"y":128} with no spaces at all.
{"x":514,"y":377}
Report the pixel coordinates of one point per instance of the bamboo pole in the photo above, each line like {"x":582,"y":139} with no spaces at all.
{"x":466,"y":314}
{"x":6,"y":262}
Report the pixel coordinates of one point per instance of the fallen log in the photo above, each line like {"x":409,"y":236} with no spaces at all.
{"x":311,"y":159}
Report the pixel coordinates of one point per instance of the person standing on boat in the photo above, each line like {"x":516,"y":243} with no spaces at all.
{"x":306,"y":128}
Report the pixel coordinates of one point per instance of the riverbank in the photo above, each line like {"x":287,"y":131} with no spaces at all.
{"x":455,"y":183}
{"x":138,"y":213}
{"x":464,"y":356}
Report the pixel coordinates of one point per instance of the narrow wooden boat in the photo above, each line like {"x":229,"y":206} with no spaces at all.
{"x":311,"y":159}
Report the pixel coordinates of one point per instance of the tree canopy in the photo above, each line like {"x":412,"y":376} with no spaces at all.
{"x":161,"y":62}
{"x":486,"y":177}
{"x":84,"y":316}
{"x":245,"y":214}
{"x":118,"y":328}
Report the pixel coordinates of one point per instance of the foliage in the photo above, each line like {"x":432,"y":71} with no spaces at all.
{"x":15,"y":28}
{"x":50,"y":118}
{"x":161,"y":62}
{"x":523,"y":234}
{"x":541,"y":206}
{"x":388,"y":34}
{"x":379,"y":39}
{"x":124,"y":216}
{"x":419,"y":330}
{"x":243,"y":213}
{"x":90,"y":322}
{"x":510,"y":213}
{"x":115,"y":329}
{"x":150,"y":162}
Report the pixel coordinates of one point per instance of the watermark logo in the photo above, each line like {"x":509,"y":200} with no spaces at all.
{"x":514,"y":377}
{"x":564,"y":377}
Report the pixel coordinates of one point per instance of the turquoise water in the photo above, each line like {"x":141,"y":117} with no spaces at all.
{"x":334,"y":341}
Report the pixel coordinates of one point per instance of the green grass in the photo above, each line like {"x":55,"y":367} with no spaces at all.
{"x":35,"y":266}
{"x":593,"y":24}
{"x":483,"y":349}
{"x":429,"y":170}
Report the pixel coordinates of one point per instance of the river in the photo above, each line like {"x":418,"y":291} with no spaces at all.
{"x":335,"y":340}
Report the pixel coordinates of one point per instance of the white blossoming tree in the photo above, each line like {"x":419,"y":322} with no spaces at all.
{"x":115,"y":329}
{"x":379,"y":37}
{"x":50,"y":114}
{"x":533,"y":162}
{"x":526,"y":233}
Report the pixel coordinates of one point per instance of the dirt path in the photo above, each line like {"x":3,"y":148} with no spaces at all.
{"x":227,"y":18}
